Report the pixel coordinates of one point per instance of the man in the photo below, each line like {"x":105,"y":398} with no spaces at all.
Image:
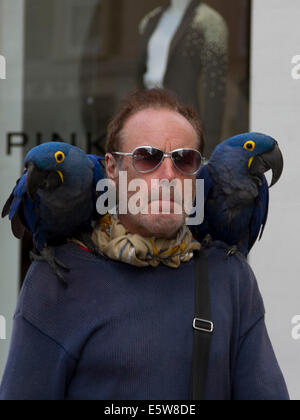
{"x":123,"y":328}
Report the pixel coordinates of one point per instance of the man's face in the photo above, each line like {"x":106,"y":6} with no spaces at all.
{"x":168,"y":131}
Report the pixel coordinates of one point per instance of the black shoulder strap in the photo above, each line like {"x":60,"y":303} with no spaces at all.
{"x":203,"y":327}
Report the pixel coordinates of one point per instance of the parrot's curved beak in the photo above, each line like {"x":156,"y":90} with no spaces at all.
{"x":38,"y":179}
{"x":269,"y":160}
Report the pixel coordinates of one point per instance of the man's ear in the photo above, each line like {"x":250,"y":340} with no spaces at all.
{"x":111,"y":166}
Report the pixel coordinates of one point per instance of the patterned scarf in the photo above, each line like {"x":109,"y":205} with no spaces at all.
{"x":114,"y":241}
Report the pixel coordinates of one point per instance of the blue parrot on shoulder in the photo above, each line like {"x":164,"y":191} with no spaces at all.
{"x":55,"y":199}
{"x":237,"y":192}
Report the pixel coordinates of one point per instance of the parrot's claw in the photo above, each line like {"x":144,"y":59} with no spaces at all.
{"x":48,"y":255}
{"x":234,"y":251}
{"x":86,"y":239}
{"x":207,"y":241}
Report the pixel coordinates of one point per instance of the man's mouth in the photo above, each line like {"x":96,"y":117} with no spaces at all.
{"x":163,"y":206}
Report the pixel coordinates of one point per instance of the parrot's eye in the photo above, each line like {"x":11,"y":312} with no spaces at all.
{"x":249,"y":145}
{"x":59,"y":157}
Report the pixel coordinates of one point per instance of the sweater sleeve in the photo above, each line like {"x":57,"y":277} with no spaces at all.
{"x":38,"y":368}
{"x":257,"y":375}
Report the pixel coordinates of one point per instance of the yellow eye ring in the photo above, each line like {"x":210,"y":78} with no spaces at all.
{"x":249,"y":145}
{"x":59,"y":157}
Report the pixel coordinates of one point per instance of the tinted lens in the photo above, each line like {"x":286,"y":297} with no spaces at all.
{"x":146,"y":159}
{"x":187,"y":161}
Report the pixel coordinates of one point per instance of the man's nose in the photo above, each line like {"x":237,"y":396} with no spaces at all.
{"x":167,"y":170}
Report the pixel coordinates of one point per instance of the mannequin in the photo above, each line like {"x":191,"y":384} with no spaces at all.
{"x":184,"y":48}
{"x":158,"y":49}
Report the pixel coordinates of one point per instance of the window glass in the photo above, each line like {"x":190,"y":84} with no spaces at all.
{"x":81,"y":57}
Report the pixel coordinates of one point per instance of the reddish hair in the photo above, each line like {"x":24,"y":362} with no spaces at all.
{"x":144,"y":99}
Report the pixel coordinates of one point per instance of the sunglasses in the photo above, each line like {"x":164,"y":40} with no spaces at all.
{"x":146,"y":159}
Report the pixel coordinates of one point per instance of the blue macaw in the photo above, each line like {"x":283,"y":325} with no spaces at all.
{"x":236,"y":192}
{"x":55,"y":199}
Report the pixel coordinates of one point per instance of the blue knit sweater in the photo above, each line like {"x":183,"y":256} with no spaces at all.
{"x":125,"y":333}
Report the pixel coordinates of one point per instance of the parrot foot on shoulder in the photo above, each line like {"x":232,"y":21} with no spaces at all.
{"x":48,"y":255}
{"x":234,"y":250}
{"x":207,"y":241}
{"x":85,"y":238}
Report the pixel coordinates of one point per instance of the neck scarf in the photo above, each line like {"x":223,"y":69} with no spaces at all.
{"x":114,"y":241}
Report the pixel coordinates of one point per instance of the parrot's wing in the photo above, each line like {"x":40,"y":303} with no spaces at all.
{"x":20,"y":209}
{"x":260,"y":213}
{"x":13,"y":206}
{"x":7,"y":206}
{"x":99,"y":171}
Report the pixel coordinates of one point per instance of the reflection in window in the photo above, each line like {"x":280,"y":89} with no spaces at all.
{"x":185,"y":49}
{"x":82,"y":57}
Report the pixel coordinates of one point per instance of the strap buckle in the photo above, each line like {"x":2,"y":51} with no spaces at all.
{"x":203,"y":325}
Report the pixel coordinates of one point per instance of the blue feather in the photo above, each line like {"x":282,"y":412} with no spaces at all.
{"x":236,"y":200}
{"x":98,"y":168}
{"x":260,"y":213}
{"x":61,"y":212}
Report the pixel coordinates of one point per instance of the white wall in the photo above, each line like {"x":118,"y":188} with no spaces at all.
{"x":11,"y":103}
{"x":275,"y":110}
